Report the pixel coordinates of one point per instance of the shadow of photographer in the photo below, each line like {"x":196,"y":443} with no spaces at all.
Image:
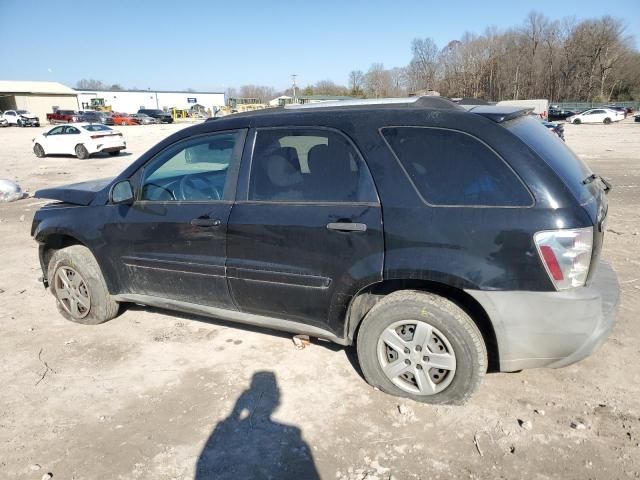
{"x":250,"y":444}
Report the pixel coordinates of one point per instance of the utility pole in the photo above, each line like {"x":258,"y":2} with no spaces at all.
{"x":293,"y":78}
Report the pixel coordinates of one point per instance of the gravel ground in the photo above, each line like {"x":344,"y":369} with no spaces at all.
{"x":156,"y":395}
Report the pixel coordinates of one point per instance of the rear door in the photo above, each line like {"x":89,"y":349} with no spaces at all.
{"x":305,"y":233}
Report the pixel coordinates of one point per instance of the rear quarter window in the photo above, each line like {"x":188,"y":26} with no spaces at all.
{"x":452,"y":168}
{"x":555,"y":153}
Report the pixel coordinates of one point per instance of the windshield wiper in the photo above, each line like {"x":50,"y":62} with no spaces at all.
{"x":592,"y":177}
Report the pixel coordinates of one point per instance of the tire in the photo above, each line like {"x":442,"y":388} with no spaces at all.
{"x":20,"y":123}
{"x":39,"y":151}
{"x":81,"y":152}
{"x":123,"y":123}
{"x":577,"y":121}
{"x":448,"y":332}
{"x":115,"y":154}
{"x":607,"y":121}
{"x":97,"y":306}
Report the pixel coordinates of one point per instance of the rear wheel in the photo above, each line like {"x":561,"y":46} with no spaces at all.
{"x":81,"y":293}
{"x":607,"y":121}
{"x":81,"y":152}
{"x":38,"y":150}
{"x":421,"y":346}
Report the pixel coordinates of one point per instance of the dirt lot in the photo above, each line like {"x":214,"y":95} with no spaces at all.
{"x":159,"y":396}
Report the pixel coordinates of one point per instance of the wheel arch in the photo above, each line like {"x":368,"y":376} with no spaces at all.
{"x":366,"y":298}
{"x":52,"y":242}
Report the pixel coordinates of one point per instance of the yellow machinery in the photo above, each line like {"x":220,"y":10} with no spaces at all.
{"x":99,"y":105}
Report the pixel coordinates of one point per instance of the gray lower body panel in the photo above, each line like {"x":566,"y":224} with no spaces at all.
{"x":233,"y":316}
{"x":552,"y":329}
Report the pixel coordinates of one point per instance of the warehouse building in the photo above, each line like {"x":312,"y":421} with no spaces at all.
{"x":130,"y":101}
{"x":38,"y":98}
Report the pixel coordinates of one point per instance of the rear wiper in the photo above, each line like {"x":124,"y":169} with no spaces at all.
{"x":592,"y":177}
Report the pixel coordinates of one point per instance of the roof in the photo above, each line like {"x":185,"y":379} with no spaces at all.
{"x":92,"y":90}
{"x":497,"y":114}
{"x":50,"y":88}
{"x":325,"y":97}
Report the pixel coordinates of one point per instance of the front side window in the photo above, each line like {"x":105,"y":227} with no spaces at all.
{"x":55,"y":131}
{"x":452,"y":168}
{"x":308,"y":165}
{"x":192,"y":170}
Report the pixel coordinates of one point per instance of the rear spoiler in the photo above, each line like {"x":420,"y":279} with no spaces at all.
{"x":498,"y":114}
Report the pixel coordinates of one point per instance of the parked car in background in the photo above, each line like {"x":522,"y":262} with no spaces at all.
{"x":93,"y":116}
{"x":556,"y":128}
{"x":124,"y":119}
{"x":21,"y":118}
{"x":79,"y":139}
{"x":560,"y":114}
{"x":622,"y":110}
{"x":63,"y":116}
{"x":636,"y":118}
{"x":349,"y":221}
{"x":596,"y":115}
{"x":144,"y":119}
{"x":161,"y":116}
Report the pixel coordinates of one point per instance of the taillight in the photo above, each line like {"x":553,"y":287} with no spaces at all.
{"x":566,"y":255}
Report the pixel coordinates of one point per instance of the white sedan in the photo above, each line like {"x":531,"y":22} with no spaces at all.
{"x":596,"y":115}
{"x":79,"y":139}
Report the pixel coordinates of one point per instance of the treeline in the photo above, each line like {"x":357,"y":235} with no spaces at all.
{"x":560,"y":60}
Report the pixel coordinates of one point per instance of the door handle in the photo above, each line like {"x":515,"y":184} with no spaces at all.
{"x":205,"y":222}
{"x":347,"y":227}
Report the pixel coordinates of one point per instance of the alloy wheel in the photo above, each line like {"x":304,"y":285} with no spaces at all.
{"x":72,"y":292}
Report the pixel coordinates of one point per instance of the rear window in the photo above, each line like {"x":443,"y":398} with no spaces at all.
{"x":95,"y":128}
{"x":452,"y":168}
{"x":555,"y":153}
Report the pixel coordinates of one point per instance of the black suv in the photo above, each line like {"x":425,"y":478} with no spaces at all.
{"x":160,"y":115}
{"x":443,"y":241}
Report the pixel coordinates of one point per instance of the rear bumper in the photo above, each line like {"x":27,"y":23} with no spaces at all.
{"x":552,"y":329}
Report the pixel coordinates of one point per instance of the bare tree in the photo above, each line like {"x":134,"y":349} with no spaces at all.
{"x":356,"y":83}
{"x":90,"y":84}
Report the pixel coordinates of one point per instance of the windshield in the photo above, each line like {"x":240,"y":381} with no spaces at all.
{"x":21,"y":112}
{"x":567,"y":165}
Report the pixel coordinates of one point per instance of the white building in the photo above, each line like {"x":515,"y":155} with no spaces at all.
{"x":38,"y":98}
{"x":129,"y":101}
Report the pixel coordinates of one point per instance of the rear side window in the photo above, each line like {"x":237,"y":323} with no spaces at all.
{"x":451,"y":168}
{"x":308,"y":165}
{"x":556,"y":154}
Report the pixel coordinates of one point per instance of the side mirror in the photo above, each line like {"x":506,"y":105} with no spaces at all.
{"x":122,"y":193}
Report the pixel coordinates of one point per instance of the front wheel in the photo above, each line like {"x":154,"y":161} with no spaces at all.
{"x":82,"y":152}
{"x":38,"y":150}
{"x":77,"y":283}
{"x":577,"y":121}
{"x":20,"y":123}
{"x":421,"y":346}
{"x":607,"y":121}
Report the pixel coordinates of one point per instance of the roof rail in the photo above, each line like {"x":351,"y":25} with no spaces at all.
{"x":411,"y":102}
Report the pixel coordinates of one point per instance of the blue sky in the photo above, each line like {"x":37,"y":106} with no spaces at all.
{"x":212,"y":44}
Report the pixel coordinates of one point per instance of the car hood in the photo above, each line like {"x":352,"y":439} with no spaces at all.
{"x":77,"y":193}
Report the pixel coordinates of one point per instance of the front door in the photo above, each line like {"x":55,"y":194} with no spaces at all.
{"x":171,"y":243}
{"x":306,"y":231}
